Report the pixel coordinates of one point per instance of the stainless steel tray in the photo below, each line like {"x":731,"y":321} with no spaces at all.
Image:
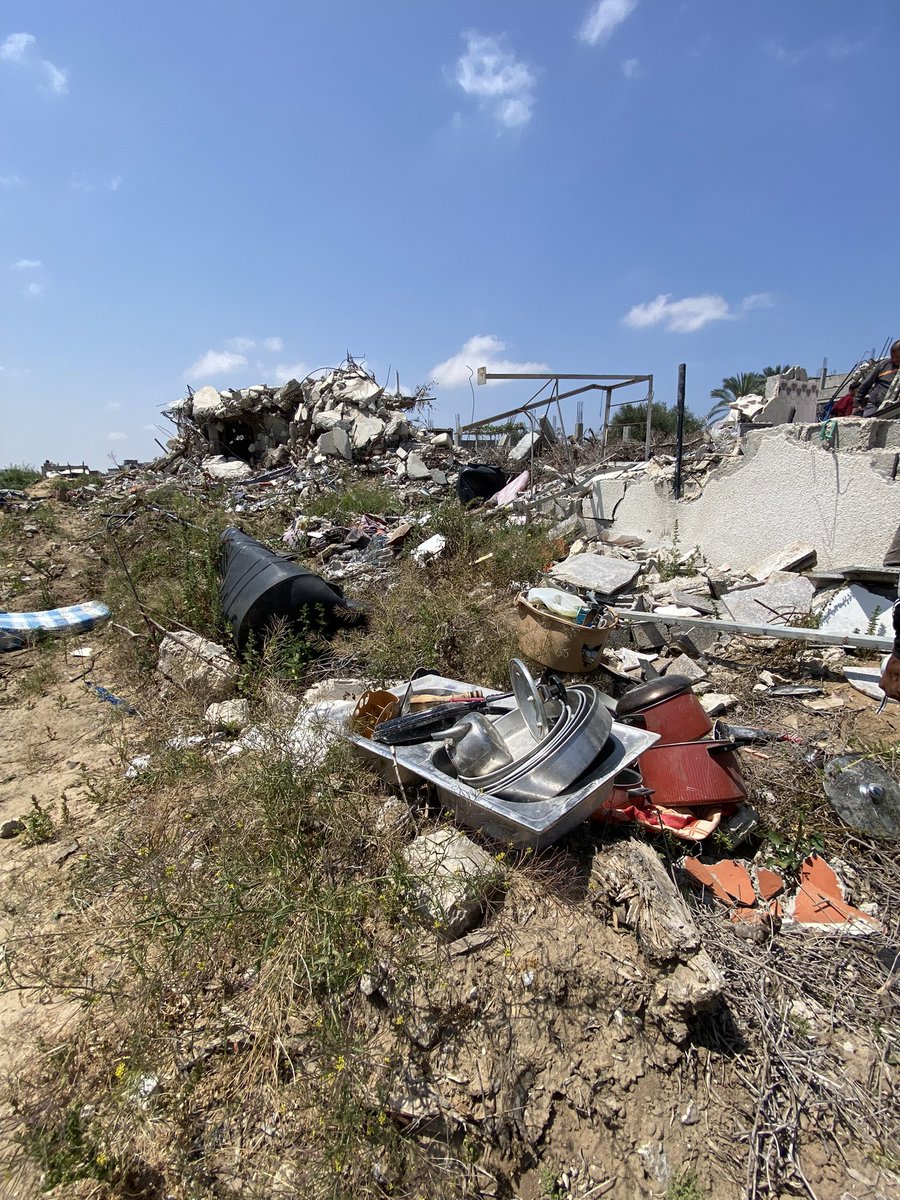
{"x":534,"y":823}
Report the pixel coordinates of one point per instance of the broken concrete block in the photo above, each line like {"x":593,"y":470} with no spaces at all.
{"x":702,"y":604}
{"x":442,"y":441}
{"x":597,"y":572}
{"x":228,"y":714}
{"x":335,"y":443}
{"x":327,"y":419}
{"x":716,"y":703}
{"x":452,"y":880}
{"x":524,"y":446}
{"x":365,"y":431}
{"x":857,"y":609}
{"x":228,"y":470}
{"x":415,"y":468}
{"x":207,"y":403}
{"x":439,"y":477}
{"x":796,"y":557}
{"x":202,"y":668}
{"x":775,"y":602}
{"x":688,"y":668}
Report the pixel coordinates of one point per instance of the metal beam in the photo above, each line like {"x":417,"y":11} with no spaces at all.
{"x":790,"y":633}
{"x":485,"y":375}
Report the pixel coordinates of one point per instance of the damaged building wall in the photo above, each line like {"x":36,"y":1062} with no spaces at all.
{"x":790,"y":485}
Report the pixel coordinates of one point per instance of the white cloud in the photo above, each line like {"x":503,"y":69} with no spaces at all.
{"x":501,"y":83}
{"x":604,"y":19}
{"x":17,"y":47}
{"x":757,"y":300}
{"x":631,"y":69}
{"x":240,"y":344}
{"x":113,"y":406}
{"x":482,"y":350}
{"x":58,"y":79}
{"x":690,"y":313}
{"x":82,"y":182}
{"x":34,"y":289}
{"x":11,"y":181}
{"x":26,"y":264}
{"x":117,"y":437}
{"x":273,"y":343}
{"x":215,"y":362}
{"x":20,"y":48}
{"x":285,"y":371}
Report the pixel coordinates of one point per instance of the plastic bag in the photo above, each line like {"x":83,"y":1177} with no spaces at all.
{"x":563,"y":604}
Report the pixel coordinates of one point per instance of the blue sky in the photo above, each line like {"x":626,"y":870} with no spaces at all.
{"x":214,"y":191}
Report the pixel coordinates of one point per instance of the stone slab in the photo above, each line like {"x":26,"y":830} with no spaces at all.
{"x":596,"y":572}
{"x":796,"y":557}
{"x":858,"y":609}
{"x":452,"y":879}
{"x":772,"y":603}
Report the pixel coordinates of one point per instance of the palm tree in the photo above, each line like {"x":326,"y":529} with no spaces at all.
{"x":748,"y":383}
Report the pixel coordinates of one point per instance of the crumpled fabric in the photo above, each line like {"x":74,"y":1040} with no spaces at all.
{"x":682,"y":823}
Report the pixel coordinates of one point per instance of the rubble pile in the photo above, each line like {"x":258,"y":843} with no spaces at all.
{"x":344,"y":414}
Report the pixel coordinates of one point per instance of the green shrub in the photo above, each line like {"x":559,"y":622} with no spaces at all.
{"x":18,"y":476}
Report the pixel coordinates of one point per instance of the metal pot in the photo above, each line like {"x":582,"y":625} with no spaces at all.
{"x":475,"y":747}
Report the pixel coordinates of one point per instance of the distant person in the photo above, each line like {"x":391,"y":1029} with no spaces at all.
{"x":872,"y":390}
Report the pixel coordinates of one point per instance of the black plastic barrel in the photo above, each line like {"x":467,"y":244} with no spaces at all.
{"x":261,"y":591}
{"x":478,"y":482}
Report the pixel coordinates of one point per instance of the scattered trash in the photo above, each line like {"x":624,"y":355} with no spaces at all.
{"x":430,"y":549}
{"x":116,"y":701}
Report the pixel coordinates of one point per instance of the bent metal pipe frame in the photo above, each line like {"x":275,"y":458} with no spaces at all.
{"x":604,"y":383}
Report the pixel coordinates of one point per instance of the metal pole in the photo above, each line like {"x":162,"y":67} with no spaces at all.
{"x":679,"y":430}
{"x":606,"y":411}
{"x":647,"y":434}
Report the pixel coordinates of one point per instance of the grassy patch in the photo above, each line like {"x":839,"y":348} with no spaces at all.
{"x":18,"y":476}
{"x":354,"y":498}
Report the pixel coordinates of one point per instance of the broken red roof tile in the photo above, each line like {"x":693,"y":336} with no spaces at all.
{"x":769,"y":883}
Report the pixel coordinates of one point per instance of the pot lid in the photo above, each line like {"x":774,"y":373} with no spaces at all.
{"x":863,"y":795}
{"x":645,"y":695}
{"x":529,"y":700}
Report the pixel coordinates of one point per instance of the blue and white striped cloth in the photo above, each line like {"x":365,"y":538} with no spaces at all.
{"x":77,"y":618}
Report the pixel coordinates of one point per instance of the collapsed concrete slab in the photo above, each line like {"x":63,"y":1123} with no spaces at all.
{"x":788,"y":485}
{"x":452,"y":879}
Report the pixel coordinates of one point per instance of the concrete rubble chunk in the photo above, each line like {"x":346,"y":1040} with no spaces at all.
{"x":335,"y":443}
{"x":207,"y":403}
{"x":201,"y":668}
{"x":228,"y":470}
{"x":799,"y":556}
{"x":228,"y":714}
{"x":327,"y":419}
{"x":597,"y":572}
{"x":858,"y":609}
{"x":365,"y":431}
{"x":783,"y":597}
{"x":688,"y":668}
{"x":452,"y":880}
{"x":442,"y":441}
{"x":416,"y":469}
{"x":716,"y":703}
{"x":524,"y":446}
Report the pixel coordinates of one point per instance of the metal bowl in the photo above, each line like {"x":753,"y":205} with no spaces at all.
{"x":556,"y":762}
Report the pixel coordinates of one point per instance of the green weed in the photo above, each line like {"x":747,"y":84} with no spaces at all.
{"x":39,"y":824}
{"x":354,"y":498}
{"x":18,"y":476}
{"x":684,"y":1186}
